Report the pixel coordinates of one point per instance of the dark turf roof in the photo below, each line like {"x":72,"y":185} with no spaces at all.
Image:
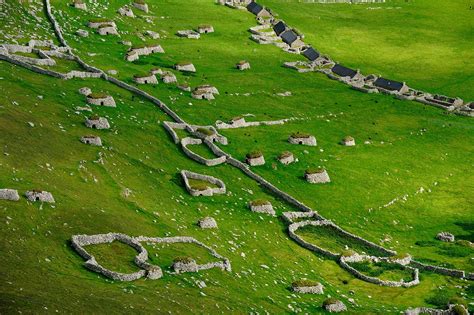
{"x":342,"y":71}
{"x":289,"y":37}
{"x":311,"y":54}
{"x":279,"y":28}
{"x":254,"y":7}
{"x":388,"y":84}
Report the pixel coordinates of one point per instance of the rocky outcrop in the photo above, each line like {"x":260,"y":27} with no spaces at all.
{"x":9,"y":194}
{"x":39,"y":195}
{"x":203,"y":190}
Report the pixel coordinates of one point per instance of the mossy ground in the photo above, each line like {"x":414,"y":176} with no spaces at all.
{"x":411,"y":146}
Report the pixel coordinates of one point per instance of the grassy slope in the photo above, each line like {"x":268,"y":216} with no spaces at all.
{"x":149,"y":166}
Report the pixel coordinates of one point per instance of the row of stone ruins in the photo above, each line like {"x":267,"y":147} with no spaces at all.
{"x":31,"y":195}
{"x":79,"y":242}
{"x":273,"y":31}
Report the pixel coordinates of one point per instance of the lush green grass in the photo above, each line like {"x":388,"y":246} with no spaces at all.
{"x":203,"y":150}
{"x":383,"y":270}
{"x":115,"y":256}
{"x":139,"y":155}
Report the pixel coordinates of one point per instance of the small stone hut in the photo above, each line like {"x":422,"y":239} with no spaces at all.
{"x":243,"y":65}
{"x":334,"y":306}
{"x":184,"y":87}
{"x":85,"y":91}
{"x":9,"y":194}
{"x":202,"y":95}
{"x":255,"y":158}
{"x":145,"y":79}
{"x":207,"y":88}
{"x":185,"y":66}
{"x":140,"y":5}
{"x":79,"y":4}
{"x":107,"y":29}
{"x":238,"y":121}
{"x":168,"y":77}
{"x":205,"y":28}
{"x":92,"y":140}
{"x":39,"y":195}
{"x":317,"y":176}
{"x":207,"y":223}
{"x":101,"y":99}
{"x":286,"y":158}
{"x":261,"y":206}
{"x":348,"y":141}
{"x":185,"y":264}
{"x":302,"y":138}
{"x":126,"y":11}
{"x":306,"y":286}
{"x":96,"y":122}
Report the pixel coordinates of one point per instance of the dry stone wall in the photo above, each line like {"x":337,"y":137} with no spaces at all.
{"x":196,"y":157}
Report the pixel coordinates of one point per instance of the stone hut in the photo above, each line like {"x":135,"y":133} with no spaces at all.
{"x":185,"y":66}
{"x":9,"y":194}
{"x":334,"y":306}
{"x":307,"y":286}
{"x":261,"y":206}
{"x":207,"y":88}
{"x":317,"y":176}
{"x":188,"y":34}
{"x":168,"y":77}
{"x":79,"y":4}
{"x":97,"y":122}
{"x":347,"y":73}
{"x":101,"y":99}
{"x":185,"y":264}
{"x":445,"y":237}
{"x":126,"y":11}
{"x":145,"y":79}
{"x":39,"y":195}
{"x":141,"y":50}
{"x":184,"y":87}
{"x":391,"y":86}
{"x":202,"y":95}
{"x":205,"y":28}
{"x":238,"y":121}
{"x":286,"y":158}
{"x":152,"y":34}
{"x":243,"y":65}
{"x":107,"y":29}
{"x":258,"y":10}
{"x":82,"y":33}
{"x":96,"y":23}
{"x":302,"y":138}
{"x":348,"y":141}
{"x":157,"y":71}
{"x":207,"y":223}
{"x":140,"y":5}
{"x":92,"y":140}
{"x":255,"y":158}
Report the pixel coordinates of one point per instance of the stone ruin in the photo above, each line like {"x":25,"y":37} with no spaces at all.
{"x":185,"y":67}
{"x":307,"y":287}
{"x":434,"y":311}
{"x":82,"y":33}
{"x":317,"y":176}
{"x":103,"y":26}
{"x":185,"y":264}
{"x":203,"y":191}
{"x":126,"y":11}
{"x":207,"y":223}
{"x":202,"y":95}
{"x":9,"y":194}
{"x":85,"y":91}
{"x":184,"y":87}
{"x":168,"y":77}
{"x":237,"y":4}
{"x":96,"y":122}
{"x":261,"y":206}
{"x":205,"y":28}
{"x":152,"y":272}
{"x":255,"y":158}
{"x":152,"y":34}
{"x":348,"y":141}
{"x":140,"y":5}
{"x":286,"y":158}
{"x":302,"y":138}
{"x":135,"y":52}
{"x":100,"y":99}
{"x":205,"y":92}
{"x":39,"y":195}
{"x":79,"y":4}
{"x":243,"y":65}
{"x":92,"y":140}
{"x":334,"y":306}
{"x":188,"y":34}
{"x":445,"y":237}
{"x":145,"y":79}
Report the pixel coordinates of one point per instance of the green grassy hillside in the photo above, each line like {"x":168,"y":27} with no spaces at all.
{"x":408,"y":178}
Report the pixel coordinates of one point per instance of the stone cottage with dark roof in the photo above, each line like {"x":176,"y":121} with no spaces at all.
{"x":258,"y":10}
{"x":311,"y":54}
{"x":279,"y":28}
{"x":390,"y":85}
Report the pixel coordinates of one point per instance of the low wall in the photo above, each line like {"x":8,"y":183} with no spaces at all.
{"x":196,"y":157}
